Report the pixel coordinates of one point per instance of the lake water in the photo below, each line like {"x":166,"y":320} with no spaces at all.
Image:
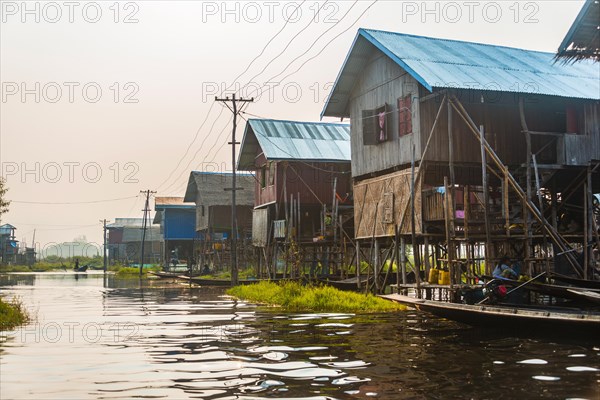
{"x":98,"y":337}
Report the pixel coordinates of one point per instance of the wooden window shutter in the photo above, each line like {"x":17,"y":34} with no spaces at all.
{"x":404,"y":115}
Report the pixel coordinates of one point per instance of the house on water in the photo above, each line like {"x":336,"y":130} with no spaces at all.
{"x":210,"y":191}
{"x":177,"y":221}
{"x":124,"y":242}
{"x":469,"y":152}
{"x":302,"y":192}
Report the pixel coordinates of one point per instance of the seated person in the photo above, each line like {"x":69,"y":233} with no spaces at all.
{"x":205,"y":270}
{"x":504,"y":269}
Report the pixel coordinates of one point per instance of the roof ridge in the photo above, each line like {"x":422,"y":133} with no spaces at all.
{"x":299,"y":122}
{"x":456,"y":41}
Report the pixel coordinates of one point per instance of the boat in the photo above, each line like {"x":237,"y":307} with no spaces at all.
{"x":349,"y":284}
{"x":582,"y":283}
{"x":83,"y":268}
{"x":167,"y":274}
{"x":225,"y":282}
{"x":564,"y":292}
{"x":519,"y":319}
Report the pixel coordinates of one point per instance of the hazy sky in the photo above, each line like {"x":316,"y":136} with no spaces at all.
{"x":103,"y":99}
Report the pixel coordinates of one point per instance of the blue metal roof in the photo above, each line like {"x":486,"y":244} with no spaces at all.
{"x":443,"y":63}
{"x":292,"y":140}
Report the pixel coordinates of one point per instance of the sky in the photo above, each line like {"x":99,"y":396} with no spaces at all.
{"x":101,"y":100}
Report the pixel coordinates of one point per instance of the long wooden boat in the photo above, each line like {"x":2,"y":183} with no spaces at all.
{"x":167,"y":274}
{"x":225,"y":282}
{"x":582,"y":283}
{"x":517,"y":319}
{"x":564,"y":292}
{"x":349,"y":284}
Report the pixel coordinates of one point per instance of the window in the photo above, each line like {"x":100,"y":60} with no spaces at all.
{"x":263,"y":177}
{"x":376,"y":125}
{"x":202,"y":210}
{"x":271,"y":173}
{"x":404,"y":115}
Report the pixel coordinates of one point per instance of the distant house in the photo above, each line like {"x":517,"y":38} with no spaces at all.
{"x":9,"y":246}
{"x":303,"y":179}
{"x":428,"y":101}
{"x":209,"y":191}
{"x":582,"y":41}
{"x":124,"y":242}
{"x":177,"y":221}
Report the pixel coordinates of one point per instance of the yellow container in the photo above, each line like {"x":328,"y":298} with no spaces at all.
{"x":218,"y":246}
{"x":434,"y":276}
{"x":444,"y":278}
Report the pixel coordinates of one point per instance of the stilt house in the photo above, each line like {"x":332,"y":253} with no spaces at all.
{"x":468,"y":152}
{"x":211,"y":193}
{"x":302,"y":194}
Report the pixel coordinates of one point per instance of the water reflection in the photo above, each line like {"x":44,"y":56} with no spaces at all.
{"x":99,"y":337}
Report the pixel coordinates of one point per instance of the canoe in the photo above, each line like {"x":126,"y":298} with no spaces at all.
{"x":166,"y":274}
{"x":225,"y":282}
{"x":83,"y":268}
{"x":518,"y":319}
{"x":582,"y":283}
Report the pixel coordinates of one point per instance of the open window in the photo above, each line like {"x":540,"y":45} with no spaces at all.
{"x":404,"y":116}
{"x":271,"y":173}
{"x":263,"y":177}
{"x":376,"y":125}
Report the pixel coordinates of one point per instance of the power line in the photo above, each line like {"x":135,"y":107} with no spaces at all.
{"x":212,"y":105}
{"x":72,"y":202}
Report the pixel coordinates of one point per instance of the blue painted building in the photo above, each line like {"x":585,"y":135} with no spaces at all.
{"x":178,"y":227}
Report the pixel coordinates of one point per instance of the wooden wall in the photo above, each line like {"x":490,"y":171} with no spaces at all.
{"x":380,"y":203}
{"x":311,"y":180}
{"x":381,"y":82}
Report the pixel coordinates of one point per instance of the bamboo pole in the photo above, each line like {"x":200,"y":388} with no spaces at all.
{"x":556,"y":237}
{"x":486,"y":201}
{"x":416,"y":260}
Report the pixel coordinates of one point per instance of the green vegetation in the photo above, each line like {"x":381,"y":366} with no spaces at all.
{"x":12,"y":314}
{"x":246,"y":273}
{"x":132,"y":272}
{"x":293,"y":296}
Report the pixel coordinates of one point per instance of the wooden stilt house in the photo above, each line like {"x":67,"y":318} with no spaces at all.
{"x":468,"y":152}
{"x":302,"y":215}
{"x":210,"y":192}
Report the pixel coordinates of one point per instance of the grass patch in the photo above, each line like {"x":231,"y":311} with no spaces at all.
{"x":293,"y":296}
{"x":131,"y":272}
{"x":12,"y":314}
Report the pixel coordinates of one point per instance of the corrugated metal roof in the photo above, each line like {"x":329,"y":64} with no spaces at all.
{"x":293,"y":140}
{"x":160,"y":203}
{"x":443,"y":63}
{"x":126,"y":222}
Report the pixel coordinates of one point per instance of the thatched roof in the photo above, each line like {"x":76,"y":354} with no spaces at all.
{"x":583,"y":39}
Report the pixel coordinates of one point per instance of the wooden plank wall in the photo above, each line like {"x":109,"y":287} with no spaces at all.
{"x":372,"y":203}
{"x":381,"y":82}
{"x":260,"y":227}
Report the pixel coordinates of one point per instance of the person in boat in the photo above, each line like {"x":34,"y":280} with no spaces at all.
{"x":205,"y":270}
{"x":505,"y":269}
{"x":76,"y":267}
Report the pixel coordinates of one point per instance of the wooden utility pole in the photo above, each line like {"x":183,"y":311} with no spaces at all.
{"x":234,"y":109}
{"x":145,"y":226}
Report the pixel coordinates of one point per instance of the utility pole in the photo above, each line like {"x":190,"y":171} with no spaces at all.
{"x":235,"y":111}
{"x":104,"y":245}
{"x":144,"y":226}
